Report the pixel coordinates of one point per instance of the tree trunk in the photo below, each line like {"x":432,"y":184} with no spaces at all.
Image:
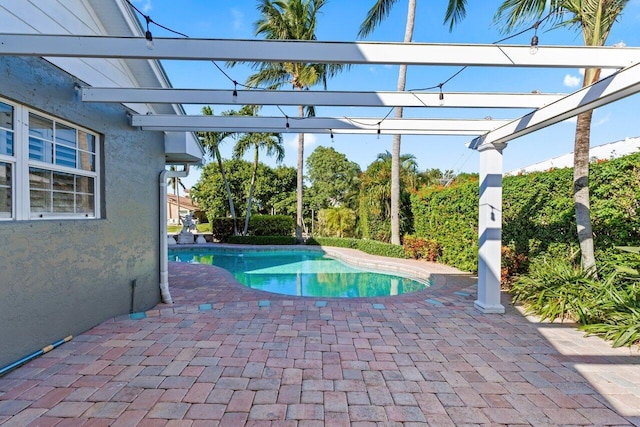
{"x":300,"y":182}
{"x":395,"y":150}
{"x":176,"y":192}
{"x":581,"y":182}
{"x":251,"y":187}
{"x":232,"y":209}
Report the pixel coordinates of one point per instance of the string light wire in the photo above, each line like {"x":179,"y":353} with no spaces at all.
{"x":439,"y":86}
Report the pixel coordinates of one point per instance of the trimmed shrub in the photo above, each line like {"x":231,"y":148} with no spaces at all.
{"x":221,"y":228}
{"x":537,"y":212}
{"x":379,"y":248}
{"x":270,"y":225}
{"x":333,"y":241}
{"x":262,"y":240}
{"x":449,"y":216}
{"x":421,"y":248}
{"x":368,"y":246}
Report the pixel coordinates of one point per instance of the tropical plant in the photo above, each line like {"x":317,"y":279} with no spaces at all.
{"x":378,"y":12}
{"x":375,"y":195}
{"x":291,"y":20}
{"x":211,"y":143}
{"x":595,"y":19}
{"x":176,"y":183}
{"x":340,"y":222}
{"x":270,"y":142}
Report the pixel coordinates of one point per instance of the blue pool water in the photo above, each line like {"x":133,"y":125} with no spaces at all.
{"x":302,"y":273}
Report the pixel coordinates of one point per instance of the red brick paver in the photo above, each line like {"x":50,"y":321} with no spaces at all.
{"x":297,"y":363}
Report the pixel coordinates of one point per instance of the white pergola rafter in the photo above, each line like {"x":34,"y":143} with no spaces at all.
{"x":315,"y":51}
{"x":612,"y":88}
{"x":315,"y":124}
{"x":319,"y":98}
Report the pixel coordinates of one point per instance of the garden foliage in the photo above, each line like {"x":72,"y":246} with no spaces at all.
{"x":368,"y":246}
{"x":259,"y":225}
{"x":538,"y":215}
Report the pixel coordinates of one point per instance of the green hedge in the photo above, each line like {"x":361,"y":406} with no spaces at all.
{"x":259,"y":225}
{"x":538,"y":213}
{"x":449,"y":216}
{"x":270,"y":225}
{"x":372,"y":247}
{"x":262,"y":240}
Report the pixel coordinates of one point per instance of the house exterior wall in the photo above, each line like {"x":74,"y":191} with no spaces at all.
{"x":61,"y":277}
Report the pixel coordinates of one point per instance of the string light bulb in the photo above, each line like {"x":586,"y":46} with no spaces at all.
{"x":287,"y":124}
{"x":234,"y":97}
{"x":378,"y":130}
{"x":533,"y":49}
{"x":147,"y":34}
{"x":331,"y":133}
{"x":440,"y":96}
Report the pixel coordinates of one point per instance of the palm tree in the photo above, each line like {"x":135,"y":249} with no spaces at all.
{"x":270,"y":142}
{"x":378,"y":12}
{"x":211,"y":142}
{"x":595,"y":18}
{"x":176,"y":183}
{"x":291,"y":20}
{"x":376,"y":186}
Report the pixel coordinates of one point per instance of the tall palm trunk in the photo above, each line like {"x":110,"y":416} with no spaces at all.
{"x":232,"y":209}
{"x":176,"y":192}
{"x":395,"y":149}
{"x":300,"y":181}
{"x":251,"y":187}
{"x":581,"y":181}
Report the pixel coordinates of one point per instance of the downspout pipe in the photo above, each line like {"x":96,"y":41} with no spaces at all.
{"x":164,"y":255}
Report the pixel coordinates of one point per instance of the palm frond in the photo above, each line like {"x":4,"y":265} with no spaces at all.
{"x":378,"y":12}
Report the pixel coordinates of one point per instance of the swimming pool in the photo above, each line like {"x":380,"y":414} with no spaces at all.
{"x":301,"y":273}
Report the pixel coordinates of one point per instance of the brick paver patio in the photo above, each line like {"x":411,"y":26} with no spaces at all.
{"x":227,"y":355}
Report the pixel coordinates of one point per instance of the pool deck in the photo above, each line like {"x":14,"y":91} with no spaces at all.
{"x":227,"y":355}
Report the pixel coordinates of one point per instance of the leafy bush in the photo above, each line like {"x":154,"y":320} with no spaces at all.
{"x":221,"y":228}
{"x":368,"y":246}
{"x":379,"y":248}
{"x":513,"y":264}
{"x":449,"y":216}
{"x":270,"y":225}
{"x":421,"y":248}
{"x":262,"y":240}
{"x":557,"y":289}
{"x":538,"y":213}
{"x":333,"y":241}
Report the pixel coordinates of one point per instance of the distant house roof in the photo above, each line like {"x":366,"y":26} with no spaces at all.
{"x":610,"y":150}
{"x":185,"y":202}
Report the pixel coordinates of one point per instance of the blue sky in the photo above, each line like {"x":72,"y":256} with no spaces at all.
{"x":340,"y":21}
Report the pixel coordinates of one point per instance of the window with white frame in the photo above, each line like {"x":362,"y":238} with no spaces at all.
{"x":48,"y":167}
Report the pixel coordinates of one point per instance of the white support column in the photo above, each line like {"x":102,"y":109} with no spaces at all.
{"x":490,"y":229}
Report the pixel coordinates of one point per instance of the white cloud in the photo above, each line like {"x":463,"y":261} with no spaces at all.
{"x":291,"y":141}
{"x":146,"y":5}
{"x":603,"y":120}
{"x":238,"y":19}
{"x":572,"y":120}
{"x":571,"y":81}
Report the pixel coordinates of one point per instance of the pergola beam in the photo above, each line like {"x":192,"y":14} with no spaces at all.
{"x":318,"y":98}
{"x":314,"y":124}
{"x":612,"y":88}
{"x":49,"y":45}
